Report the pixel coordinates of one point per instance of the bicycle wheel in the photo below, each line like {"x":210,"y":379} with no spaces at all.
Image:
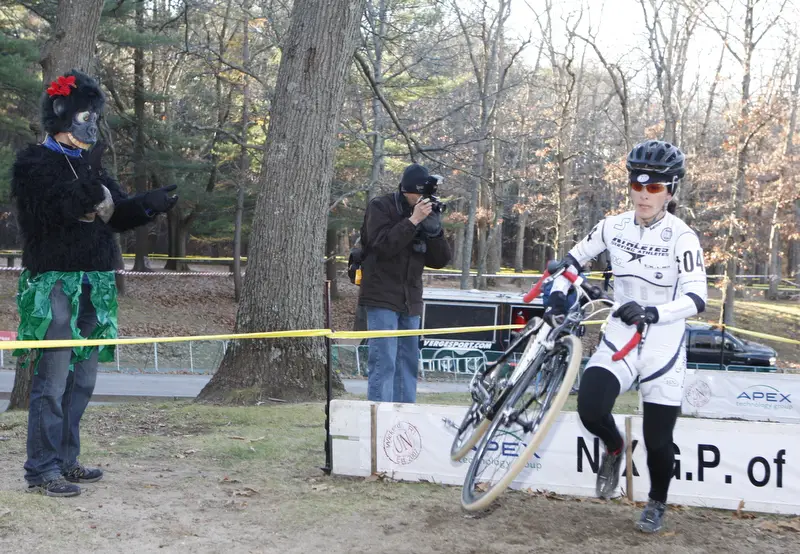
{"x":521,"y":424}
{"x":474,"y":424}
{"x":471,"y":430}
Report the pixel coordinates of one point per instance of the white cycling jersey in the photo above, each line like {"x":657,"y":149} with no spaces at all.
{"x":662,"y":266}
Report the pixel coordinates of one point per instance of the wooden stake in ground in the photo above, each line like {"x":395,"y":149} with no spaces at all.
{"x":629,"y":458}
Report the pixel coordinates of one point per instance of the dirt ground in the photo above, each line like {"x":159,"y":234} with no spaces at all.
{"x":189,"y":478}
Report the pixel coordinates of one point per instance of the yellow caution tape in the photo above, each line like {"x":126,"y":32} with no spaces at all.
{"x":300,"y":333}
{"x":412,"y":332}
{"x":763,"y":335}
{"x":751,"y":333}
{"x":14,"y":344}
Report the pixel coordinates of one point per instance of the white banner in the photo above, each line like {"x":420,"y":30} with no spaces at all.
{"x":735,"y":394}
{"x":414,"y":443}
{"x":718,"y":463}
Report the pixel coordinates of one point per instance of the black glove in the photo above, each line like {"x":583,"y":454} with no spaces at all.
{"x":431,"y":226}
{"x":95,"y":159}
{"x":556,"y":305}
{"x":94,"y":190}
{"x":632,"y":313}
{"x":159,"y":200}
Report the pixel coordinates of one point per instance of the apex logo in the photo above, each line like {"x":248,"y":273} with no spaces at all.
{"x":770,"y":395}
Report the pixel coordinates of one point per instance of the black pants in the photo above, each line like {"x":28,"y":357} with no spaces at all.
{"x":596,"y":397}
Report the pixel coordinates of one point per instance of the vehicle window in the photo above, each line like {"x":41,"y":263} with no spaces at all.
{"x":702,"y":339}
{"x":734,"y":341}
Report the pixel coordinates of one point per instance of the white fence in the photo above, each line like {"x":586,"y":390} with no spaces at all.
{"x":718,"y":463}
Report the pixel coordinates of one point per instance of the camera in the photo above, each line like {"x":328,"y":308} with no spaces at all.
{"x":428,"y":191}
{"x":437,"y":206}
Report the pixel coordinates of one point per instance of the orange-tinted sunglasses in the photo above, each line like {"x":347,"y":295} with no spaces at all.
{"x":652,"y":188}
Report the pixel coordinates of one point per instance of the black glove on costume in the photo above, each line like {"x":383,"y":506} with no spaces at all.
{"x":159,"y":200}
{"x":631,"y":313}
{"x":431,"y":226}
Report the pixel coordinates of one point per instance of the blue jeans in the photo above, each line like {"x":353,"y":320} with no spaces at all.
{"x":393,"y":361}
{"x":59,"y":396}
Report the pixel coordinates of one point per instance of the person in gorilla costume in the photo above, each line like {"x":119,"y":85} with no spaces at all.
{"x":68,"y":209}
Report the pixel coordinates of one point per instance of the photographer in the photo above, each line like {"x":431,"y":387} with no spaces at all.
{"x":402,"y":234}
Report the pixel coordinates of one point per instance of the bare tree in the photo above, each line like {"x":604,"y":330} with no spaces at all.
{"x":669,"y":45}
{"x":483,"y":33}
{"x":283,"y":286}
{"x":742,"y":49}
{"x":788,"y":152}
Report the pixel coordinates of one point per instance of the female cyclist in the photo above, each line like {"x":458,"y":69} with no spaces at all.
{"x":660,"y":280}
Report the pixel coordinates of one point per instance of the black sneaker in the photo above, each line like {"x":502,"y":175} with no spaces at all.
{"x":608,"y":474}
{"x":652,"y":517}
{"x":80,"y":474}
{"x":55,"y":487}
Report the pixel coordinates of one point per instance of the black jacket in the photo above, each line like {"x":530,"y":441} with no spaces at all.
{"x":392,"y":270}
{"x":50,"y":201}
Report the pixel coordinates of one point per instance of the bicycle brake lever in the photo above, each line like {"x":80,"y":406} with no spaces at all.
{"x":644,"y":331}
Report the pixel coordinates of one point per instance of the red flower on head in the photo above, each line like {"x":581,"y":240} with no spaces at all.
{"x":62,"y":86}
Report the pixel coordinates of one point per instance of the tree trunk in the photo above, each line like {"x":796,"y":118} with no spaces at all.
{"x":177,"y":239}
{"x":519,"y":254}
{"x":483,"y":236}
{"x":65,"y":50}
{"x":237,"y":244}
{"x":283,"y":286}
{"x":795,"y":270}
{"x":343,"y":241}
{"x":469,"y":228}
{"x":494,"y":244}
{"x":562,"y":211}
{"x":244,"y":160}
{"x":458,"y":246}
{"x":21,"y":391}
{"x":378,"y":155}
{"x":739,"y":188}
{"x":139,"y":168}
{"x":775,"y":268}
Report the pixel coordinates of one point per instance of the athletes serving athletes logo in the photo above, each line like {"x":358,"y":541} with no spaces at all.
{"x":698,"y":394}
{"x":402,"y":443}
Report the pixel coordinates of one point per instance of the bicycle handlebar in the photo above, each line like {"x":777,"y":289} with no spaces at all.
{"x":635,"y":339}
{"x":536,"y":289}
{"x":592,"y":292}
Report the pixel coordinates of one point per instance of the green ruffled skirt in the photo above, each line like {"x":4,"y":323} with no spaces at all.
{"x":35,"y":313}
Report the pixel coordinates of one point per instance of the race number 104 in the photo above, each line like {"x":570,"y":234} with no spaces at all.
{"x":760,"y":470}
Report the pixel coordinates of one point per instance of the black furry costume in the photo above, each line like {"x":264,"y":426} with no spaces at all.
{"x":50,"y":201}
{"x":68,"y":209}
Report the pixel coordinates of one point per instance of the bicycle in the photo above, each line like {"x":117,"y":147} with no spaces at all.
{"x":524,"y":404}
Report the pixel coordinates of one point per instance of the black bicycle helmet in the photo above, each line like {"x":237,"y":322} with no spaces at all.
{"x":659,"y":160}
